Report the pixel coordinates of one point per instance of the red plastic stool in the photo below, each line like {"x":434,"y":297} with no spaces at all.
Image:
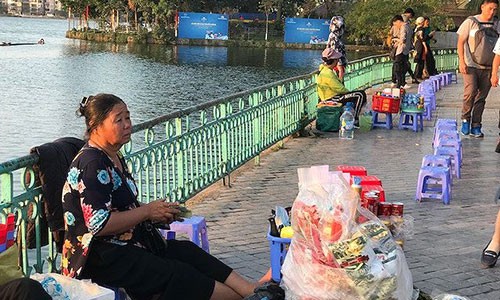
{"x":369,"y":180}
{"x":353,"y":170}
{"x":368,"y":188}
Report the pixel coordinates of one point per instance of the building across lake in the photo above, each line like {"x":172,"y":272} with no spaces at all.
{"x":32,"y":7}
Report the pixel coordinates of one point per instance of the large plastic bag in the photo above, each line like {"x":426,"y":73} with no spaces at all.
{"x":340,"y":250}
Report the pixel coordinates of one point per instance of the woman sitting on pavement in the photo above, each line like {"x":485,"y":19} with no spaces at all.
{"x":330,"y":88}
{"x":103,"y":237}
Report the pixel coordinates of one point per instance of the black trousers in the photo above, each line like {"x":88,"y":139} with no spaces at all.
{"x":399,"y":68}
{"x":185,"y":272}
{"x":23,"y":289}
{"x":358,"y":98}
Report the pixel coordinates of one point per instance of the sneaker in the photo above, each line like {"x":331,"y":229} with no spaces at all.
{"x":268,"y":291}
{"x":497,"y":150}
{"x":406,"y":86}
{"x":476,"y":132}
{"x":393,"y":85}
{"x":465,"y":127}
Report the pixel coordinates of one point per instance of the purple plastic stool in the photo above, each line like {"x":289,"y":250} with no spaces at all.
{"x":411,"y":120}
{"x":428,"y":111}
{"x":437,"y":161}
{"x":196,"y":228}
{"x":437,"y":83}
{"x":430,"y":98}
{"x":446,"y":121}
{"x":426,"y":86}
{"x":456,"y":162}
{"x":453,"y":142}
{"x":439,"y":176}
{"x":384,"y":124}
{"x":443,"y":133}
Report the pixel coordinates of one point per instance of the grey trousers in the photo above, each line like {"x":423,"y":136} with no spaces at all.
{"x":476,"y":87}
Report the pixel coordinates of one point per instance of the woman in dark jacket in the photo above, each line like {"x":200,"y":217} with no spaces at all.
{"x":420,"y":48}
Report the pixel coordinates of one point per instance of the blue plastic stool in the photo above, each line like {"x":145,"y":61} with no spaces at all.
{"x":387,"y":123}
{"x":439,"y":134}
{"x":196,"y":228}
{"x":453,"y":153}
{"x":428,"y":111}
{"x":439,"y":176}
{"x":411,"y":120}
{"x":437,"y":161}
{"x":453,"y":142}
{"x":426,"y":87}
{"x":430,"y":98}
{"x":446,"y":121}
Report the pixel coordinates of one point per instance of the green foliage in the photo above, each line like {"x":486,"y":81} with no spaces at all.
{"x":370,"y":20}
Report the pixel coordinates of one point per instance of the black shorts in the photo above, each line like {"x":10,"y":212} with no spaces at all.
{"x":186,"y":271}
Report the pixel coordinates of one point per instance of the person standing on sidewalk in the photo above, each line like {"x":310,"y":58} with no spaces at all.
{"x":476,"y":76}
{"x":403,"y":42}
{"x":408,"y":16}
{"x":494,"y":81}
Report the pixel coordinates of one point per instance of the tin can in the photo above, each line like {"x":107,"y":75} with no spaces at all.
{"x":397,"y":209}
{"x":384,"y":209}
{"x":371,"y":203}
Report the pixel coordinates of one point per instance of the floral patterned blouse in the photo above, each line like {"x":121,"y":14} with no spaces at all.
{"x":93,"y":189}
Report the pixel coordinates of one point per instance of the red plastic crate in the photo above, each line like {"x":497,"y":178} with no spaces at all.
{"x":3,"y":237}
{"x":367,"y":188}
{"x":385,"y":104}
{"x":368,"y":180}
{"x":353,"y":170}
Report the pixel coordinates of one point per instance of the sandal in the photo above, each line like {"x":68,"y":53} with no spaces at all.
{"x":269,"y":290}
{"x":489,"y":257}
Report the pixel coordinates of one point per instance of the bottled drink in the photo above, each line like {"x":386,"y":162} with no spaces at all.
{"x":347,"y":122}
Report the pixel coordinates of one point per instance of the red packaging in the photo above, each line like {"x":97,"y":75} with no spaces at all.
{"x":385,"y":209}
{"x":397,"y":209}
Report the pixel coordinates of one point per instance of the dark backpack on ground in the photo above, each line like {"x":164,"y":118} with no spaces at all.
{"x":485,"y":39}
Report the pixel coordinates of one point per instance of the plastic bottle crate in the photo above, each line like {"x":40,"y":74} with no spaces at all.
{"x":385,"y":104}
{"x":3,"y":237}
{"x":278,"y":249}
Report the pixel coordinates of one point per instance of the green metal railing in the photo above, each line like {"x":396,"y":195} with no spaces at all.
{"x":184,"y":152}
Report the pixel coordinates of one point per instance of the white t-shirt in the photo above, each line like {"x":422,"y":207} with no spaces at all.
{"x":467,"y":30}
{"x":496,"y":50}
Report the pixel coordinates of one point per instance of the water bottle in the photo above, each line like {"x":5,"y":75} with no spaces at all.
{"x":347,"y":122}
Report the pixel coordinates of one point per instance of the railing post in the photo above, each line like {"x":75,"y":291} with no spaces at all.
{"x":256,"y":123}
{"x":224,"y":139}
{"x":180,"y":160}
{"x":7,"y":191}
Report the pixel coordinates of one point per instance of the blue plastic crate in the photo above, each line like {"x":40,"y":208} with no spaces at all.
{"x":279,"y":248}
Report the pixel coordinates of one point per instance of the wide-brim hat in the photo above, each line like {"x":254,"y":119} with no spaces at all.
{"x":330,"y":53}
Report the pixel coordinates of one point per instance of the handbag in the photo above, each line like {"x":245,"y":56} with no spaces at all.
{"x":392,"y":54}
{"x":151,"y":238}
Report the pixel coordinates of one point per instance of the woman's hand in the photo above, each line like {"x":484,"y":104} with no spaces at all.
{"x":160,"y":211}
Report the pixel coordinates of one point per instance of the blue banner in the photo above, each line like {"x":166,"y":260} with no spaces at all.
{"x":203,"y":26}
{"x":306,"y":31}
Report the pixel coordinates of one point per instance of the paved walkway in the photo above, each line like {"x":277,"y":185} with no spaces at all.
{"x":444,"y":252}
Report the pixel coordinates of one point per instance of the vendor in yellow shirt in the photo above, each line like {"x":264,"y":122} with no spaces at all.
{"x":330,"y":88}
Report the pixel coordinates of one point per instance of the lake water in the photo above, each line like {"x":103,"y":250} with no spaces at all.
{"x":42,"y":85}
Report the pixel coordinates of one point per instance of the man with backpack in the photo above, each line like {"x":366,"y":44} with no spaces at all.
{"x":477,"y":36}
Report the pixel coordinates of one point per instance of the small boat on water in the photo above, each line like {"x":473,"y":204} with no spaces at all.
{"x":40,"y":42}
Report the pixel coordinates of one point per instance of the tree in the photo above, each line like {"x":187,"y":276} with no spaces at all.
{"x":370,"y":19}
{"x":267,"y":6}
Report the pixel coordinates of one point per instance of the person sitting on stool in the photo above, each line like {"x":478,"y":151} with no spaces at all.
{"x":330,"y":87}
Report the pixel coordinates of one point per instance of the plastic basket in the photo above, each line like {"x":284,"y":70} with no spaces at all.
{"x":278,"y":249}
{"x":385,"y":104}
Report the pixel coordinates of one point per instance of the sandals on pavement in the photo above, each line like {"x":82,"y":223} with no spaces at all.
{"x":269,"y":291}
{"x":489,"y":257}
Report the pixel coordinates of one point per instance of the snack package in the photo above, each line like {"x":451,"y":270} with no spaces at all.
{"x":339,"y":249}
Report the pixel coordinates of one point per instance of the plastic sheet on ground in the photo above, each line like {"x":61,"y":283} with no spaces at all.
{"x":60,"y":287}
{"x":340,"y":250}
